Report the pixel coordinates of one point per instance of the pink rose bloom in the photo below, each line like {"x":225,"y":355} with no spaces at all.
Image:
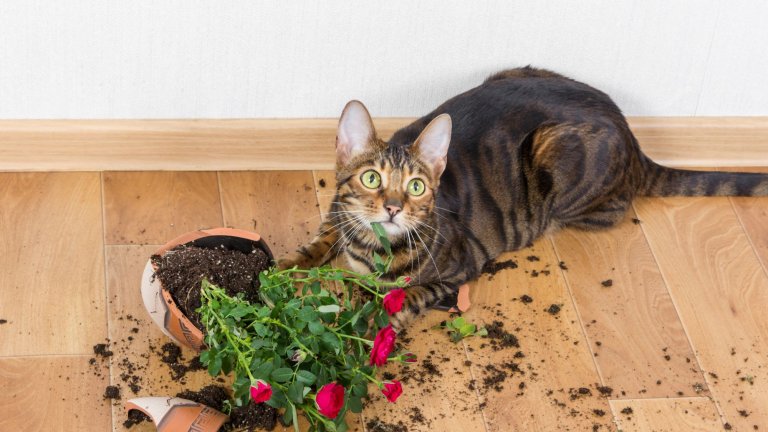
{"x":261,"y":391}
{"x":393,"y":301}
{"x":392,"y":390}
{"x":330,"y":400}
{"x":382,"y":346}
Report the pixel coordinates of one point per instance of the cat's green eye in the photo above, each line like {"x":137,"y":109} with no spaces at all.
{"x":416,"y":187}
{"x":371,"y":179}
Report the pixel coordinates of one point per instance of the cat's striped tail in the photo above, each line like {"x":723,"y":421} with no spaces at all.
{"x":663,"y":181}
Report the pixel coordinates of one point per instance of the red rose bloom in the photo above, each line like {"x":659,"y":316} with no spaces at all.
{"x":382,"y":346}
{"x":393,"y":301}
{"x":330,"y":400}
{"x":260,"y":391}
{"x":392,"y":390}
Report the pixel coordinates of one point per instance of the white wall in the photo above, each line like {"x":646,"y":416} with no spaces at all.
{"x":243,"y":59}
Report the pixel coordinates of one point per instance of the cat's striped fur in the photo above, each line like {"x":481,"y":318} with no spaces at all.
{"x":530,"y":150}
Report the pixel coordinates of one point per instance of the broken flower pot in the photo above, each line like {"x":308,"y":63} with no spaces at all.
{"x":160,"y":303}
{"x":178,"y":415}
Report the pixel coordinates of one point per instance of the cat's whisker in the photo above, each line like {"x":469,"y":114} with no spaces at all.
{"x":426,"y":225}
{"x":445,"y":209}
{"x":437,"y":270}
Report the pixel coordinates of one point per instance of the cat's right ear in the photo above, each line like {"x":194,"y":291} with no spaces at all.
{"x":355,"y":133}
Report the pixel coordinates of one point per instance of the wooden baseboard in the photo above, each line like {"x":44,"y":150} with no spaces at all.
{"x":293,"y":144}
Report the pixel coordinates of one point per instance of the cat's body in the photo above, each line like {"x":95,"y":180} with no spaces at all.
{"x":529,"y":151}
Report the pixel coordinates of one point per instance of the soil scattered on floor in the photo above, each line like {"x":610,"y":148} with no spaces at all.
{"x":112,"y":392}
{"x":102,"y":350}
{"x":553,"y":309}
{"x":377,"y":425}
{"x":607,"y":283}
{"x":500,"y":338}
{"x":3,"y":321}
{"x":525,"y":298}
{"x":135,"y":417}
{"x":182,"y":269}
{"x":492,"y":267}
{"x":172,"y":356}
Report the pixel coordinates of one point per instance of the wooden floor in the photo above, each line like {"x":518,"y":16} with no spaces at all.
{"x":680,"y":336}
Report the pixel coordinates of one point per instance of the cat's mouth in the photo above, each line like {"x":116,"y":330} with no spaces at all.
{"x":391,"y":227}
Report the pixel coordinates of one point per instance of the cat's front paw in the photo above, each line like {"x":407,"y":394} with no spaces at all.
{"x":401,"y":320}
{"x":289,"y":262}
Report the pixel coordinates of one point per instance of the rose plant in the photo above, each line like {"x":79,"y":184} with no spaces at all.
{"x":306,"y":347}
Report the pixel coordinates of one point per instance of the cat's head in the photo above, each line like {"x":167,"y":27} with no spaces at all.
{"x":395,"y":185}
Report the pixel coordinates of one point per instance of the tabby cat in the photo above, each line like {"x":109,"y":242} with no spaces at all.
{"x":530,"y":151}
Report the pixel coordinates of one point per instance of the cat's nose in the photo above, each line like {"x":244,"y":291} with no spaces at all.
{"x":393,"y":209}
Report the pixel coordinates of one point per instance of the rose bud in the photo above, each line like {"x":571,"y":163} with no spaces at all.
{"x":382,"y":346}
{"x":330,"y":400}
{"x":392,"y":390}
{"x":393,"y":301}
{"x":261,"y":391}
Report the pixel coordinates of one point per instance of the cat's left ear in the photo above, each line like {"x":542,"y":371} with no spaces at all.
{"x":432,"y":145}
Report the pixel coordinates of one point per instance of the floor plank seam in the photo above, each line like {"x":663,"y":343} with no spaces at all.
{"x":749,"y":237}
{"x":221,"y":199}
{"x":695,"y":351}
{"x":107,"y":308}
{"x":477,"y":390}
{"x":578,"y":313}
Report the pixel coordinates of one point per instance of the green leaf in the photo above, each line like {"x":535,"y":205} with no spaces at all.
{"x":263,"y":370}
{"x":458,"y":322}
{"x":360,"y":326}
{"x":214,"y":367}
{"x":381,"y":233}
{"x":331,"y":341}
{"x":355,"y":404}
{"x":239,"y":311}
{"x":241,"y":386}
{"x":315,"y":288}
{"x":307,"y":313}
{"x":296,"y":392}
{"x":288,"y":415}
{"x":467,"y":329}
{"x":282,"y":374}
{"x":316,"y":328}
{"x":360,"y":389}
{"x":305,"y":377}
{"x":382,"y":319}
{"x":226,"y":365}
{"x":331,"y":308}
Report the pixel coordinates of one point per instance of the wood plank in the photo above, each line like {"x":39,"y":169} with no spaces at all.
{"x":670,"y":415}
{"x":155,"y":207}
{"x":637,"y":338}
{"x":52,"y":253}
{"x":325,"y":187}
{"x":53,"y":393}
{"x":435,"y":396}
{"x":753,"y":214}
{"x":279,"y":205}
{"x":720,"y":290}
{"x":274,"y":144}
{"x":557,"y":361}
